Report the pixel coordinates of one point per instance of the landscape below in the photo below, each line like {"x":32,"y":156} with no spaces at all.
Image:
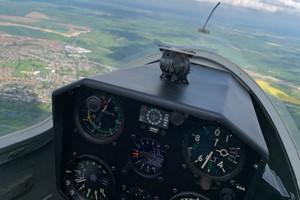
{"x":46,"y":45}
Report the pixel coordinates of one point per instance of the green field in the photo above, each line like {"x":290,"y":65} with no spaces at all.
{"x":15,"y":115}
{"x":26,"y":68}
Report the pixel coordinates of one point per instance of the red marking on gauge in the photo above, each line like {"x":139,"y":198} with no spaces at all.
{"x":135,"y":154}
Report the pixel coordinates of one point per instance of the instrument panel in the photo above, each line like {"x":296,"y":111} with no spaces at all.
{"x":115,"y":147}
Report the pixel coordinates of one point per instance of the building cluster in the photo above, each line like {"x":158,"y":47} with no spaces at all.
{"x":31,"y":84}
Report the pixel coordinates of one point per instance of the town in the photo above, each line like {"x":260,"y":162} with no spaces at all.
{"x":32,"y":68}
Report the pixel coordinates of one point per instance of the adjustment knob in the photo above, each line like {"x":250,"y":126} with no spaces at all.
{"x":93,"y":103}
{"x":227,"y":194}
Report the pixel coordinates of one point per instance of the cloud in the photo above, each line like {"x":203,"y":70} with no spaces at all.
{"x":291,"y":4}
{"x":253,"y":4}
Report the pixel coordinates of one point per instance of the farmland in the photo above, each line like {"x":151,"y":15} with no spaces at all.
{"x":112,"y":33}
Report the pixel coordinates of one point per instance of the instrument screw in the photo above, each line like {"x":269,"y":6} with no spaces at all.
{"x":163,"y":133}
{"x":255,"y":166}
{"x":160,"y":179}
{"x":133,"y":136}
{"x":114,"y":144}
{"x":124,"y":187}
{"x":174,"y":190}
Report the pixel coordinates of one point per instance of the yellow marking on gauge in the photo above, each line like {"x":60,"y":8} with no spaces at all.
{"x":89,"y":117}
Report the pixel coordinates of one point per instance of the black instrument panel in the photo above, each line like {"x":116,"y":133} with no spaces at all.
{"x":116,"y":147}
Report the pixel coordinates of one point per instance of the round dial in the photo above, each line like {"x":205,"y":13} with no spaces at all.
{"x":212,"y":151}
{"x":188,"y":196}
{"x":135,"y":194}
{"x":147,"y":157}
{"x":100,"y":118}
{"x":89,"y":177}
{"x":154,"y":116}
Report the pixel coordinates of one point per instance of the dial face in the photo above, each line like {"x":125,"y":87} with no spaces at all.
{"x":212,"y":151}
{"x":188,"y":196}
{"x":100,"y":118}
{"x":89,"y":177}
{"x":147,"y":157}
{"x":135,"y":194}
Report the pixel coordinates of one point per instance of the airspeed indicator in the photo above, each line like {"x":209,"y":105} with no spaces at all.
{"x":88,"y":177}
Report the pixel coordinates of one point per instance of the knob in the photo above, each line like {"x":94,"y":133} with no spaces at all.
{"x":227,"y":194}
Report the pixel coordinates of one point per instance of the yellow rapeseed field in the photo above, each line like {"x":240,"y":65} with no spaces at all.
{"x":277,"y":93}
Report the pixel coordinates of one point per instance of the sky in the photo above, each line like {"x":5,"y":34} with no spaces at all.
{"x":287,"y":6}
{"x":277,"y":16}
